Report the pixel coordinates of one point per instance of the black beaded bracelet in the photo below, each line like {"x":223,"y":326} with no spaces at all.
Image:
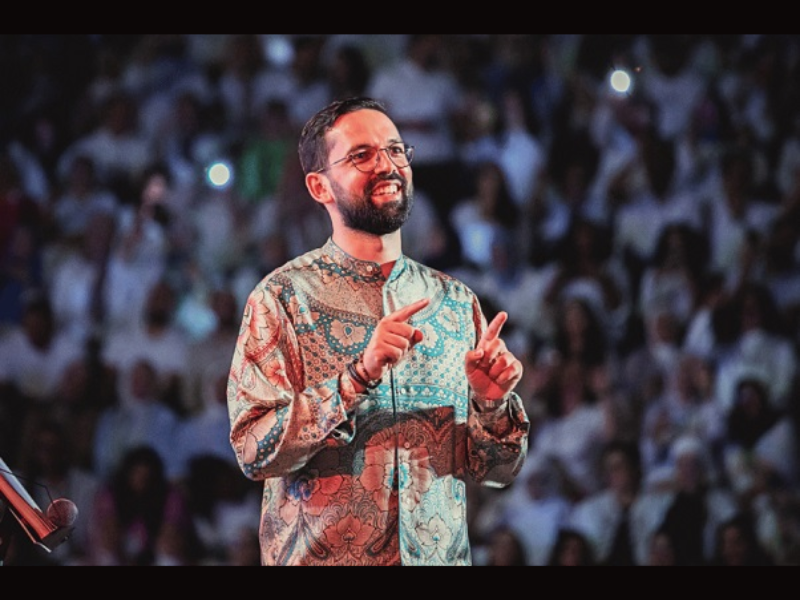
{"x":356,"y":376}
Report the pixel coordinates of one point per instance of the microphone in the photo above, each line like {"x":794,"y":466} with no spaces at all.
{"x":47,"y":530}
{"x":62,"y":513}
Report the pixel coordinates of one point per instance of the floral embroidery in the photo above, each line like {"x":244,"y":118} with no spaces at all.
{"x":435,"y":535}
{"x":416,"y":470}
{"x":348,"y":334}
{"x":275,"y":372}
{"x":349,"y":535}
{"x":301,"y":313}
{"x":379,"y":471}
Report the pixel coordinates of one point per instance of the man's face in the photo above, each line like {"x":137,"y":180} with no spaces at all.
{"x":377,"y":202}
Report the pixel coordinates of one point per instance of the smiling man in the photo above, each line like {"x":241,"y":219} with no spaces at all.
{"x":366,"y":387}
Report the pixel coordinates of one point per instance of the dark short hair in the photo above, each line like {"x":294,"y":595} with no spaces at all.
{"x":312,"y":147}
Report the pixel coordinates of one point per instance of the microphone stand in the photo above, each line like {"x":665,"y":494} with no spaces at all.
{"x":19,"y":512}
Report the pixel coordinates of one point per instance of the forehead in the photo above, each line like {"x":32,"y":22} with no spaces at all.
{"x":362,"y":128}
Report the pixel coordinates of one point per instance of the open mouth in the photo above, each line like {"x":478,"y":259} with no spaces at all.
{"x":386,"y":189}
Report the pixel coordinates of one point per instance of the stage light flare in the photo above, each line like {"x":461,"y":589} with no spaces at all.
{"x":219,"y":174}
{"x":620,"y":81}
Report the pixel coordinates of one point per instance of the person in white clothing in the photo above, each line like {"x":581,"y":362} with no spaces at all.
{"x":35,"y":354}
{"x":619,"y":519}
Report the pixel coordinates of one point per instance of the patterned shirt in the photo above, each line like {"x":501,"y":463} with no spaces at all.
{"x":376,"y":478}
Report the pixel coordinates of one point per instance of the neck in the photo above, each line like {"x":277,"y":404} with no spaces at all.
{"x":381,"y":249}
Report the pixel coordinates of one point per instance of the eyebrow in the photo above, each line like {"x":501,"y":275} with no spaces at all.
{"x":390,"y":142}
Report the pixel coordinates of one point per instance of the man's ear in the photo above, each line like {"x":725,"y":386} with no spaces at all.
{"x":319,"y":188}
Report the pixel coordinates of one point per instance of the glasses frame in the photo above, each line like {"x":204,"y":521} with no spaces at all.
{"x":409,"y":153}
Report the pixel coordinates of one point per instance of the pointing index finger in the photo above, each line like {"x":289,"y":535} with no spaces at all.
{"x":405,"y":313}
{"x":493,"y":330}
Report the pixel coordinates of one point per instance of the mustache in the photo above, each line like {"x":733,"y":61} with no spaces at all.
{"x":387,"y":177}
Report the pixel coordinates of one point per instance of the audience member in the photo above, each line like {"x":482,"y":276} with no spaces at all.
{"x":502,"y":132}
{"x":139,"y":417}
{"x":516,"y":286}
{"x":660,"y":550}
{"x":536,"y":508}
{"x":671,"y":80}
{"x":679,"y":402}
{"x":189,"y":137}
{"x":577,"y":426}
{"x":735,"y":214}
{"x":349,"y":71}
{"x":262,"y":159}
{"x":206,"y":430}
{"x":483,"y":216}
{"x":223,"y":508}
{"x":140,"y":252}
{"x":585,"y":265}
{"x":79,"y":198}
{"x":778,"y":269}
{"x":695,"y":502}
{"x":35,"y":353}
{"x":759,"y":442}
{"x":157,"y":340}
{"x":117,"y":144}
{"x":78,"y":280}
{"x":751,"y":336}
{"x":211,"y":355}
{"x":505,"y":549}
{"x":653,"y":201}
{"x":142,"y":519}
{"x":244,"y":70}
{"x":736,"y":545}
{"x":85,"y":389}
{"x":309,"y":85}
{"x":619,"y":519}
{"x":671,"y":278}
{"x":562,"y":194}
{"x":571,"y":549}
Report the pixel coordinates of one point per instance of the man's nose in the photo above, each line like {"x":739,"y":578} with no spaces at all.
{"x":383,"y":162}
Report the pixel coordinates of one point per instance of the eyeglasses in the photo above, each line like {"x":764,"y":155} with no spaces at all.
{"x":366,"y":159}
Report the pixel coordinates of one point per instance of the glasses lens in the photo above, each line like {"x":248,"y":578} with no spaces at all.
{"x":367,"y":159}
{"x":401,"y":154}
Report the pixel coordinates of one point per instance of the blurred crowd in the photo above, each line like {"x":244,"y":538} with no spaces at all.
{"x":645,"y":243}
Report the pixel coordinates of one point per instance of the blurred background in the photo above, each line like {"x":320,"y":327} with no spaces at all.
{"x":633,"y":202}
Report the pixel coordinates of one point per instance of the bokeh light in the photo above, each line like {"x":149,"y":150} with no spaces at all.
{"x":621,"y":81}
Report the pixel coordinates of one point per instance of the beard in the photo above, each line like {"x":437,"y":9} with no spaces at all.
{"x":360,"y":214}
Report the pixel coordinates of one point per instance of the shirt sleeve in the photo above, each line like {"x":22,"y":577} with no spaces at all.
{"x":497,"y":440}
{"x":278,"y":424}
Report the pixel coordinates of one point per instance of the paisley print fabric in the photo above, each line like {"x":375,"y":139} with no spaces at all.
{"x":374,"y":478}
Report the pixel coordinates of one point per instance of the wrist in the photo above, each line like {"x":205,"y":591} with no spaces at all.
{"x":358,"y":373}
{"x":361,"y":366}
{"x":484,"y":404}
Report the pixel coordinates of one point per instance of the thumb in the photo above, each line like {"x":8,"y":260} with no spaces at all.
{"x":473,"y":358}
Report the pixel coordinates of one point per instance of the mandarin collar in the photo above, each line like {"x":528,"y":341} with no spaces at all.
{"x":365,"y":268}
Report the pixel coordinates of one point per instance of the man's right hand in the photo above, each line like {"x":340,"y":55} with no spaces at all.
{"x":392,"y":339}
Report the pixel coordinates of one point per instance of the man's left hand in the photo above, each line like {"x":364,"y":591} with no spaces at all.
{"x":492,"y":370}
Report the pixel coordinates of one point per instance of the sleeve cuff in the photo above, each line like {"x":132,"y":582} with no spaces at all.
{"x":484,"y":405}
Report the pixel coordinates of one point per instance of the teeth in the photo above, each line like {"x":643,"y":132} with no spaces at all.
{"x":386,"y":189}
